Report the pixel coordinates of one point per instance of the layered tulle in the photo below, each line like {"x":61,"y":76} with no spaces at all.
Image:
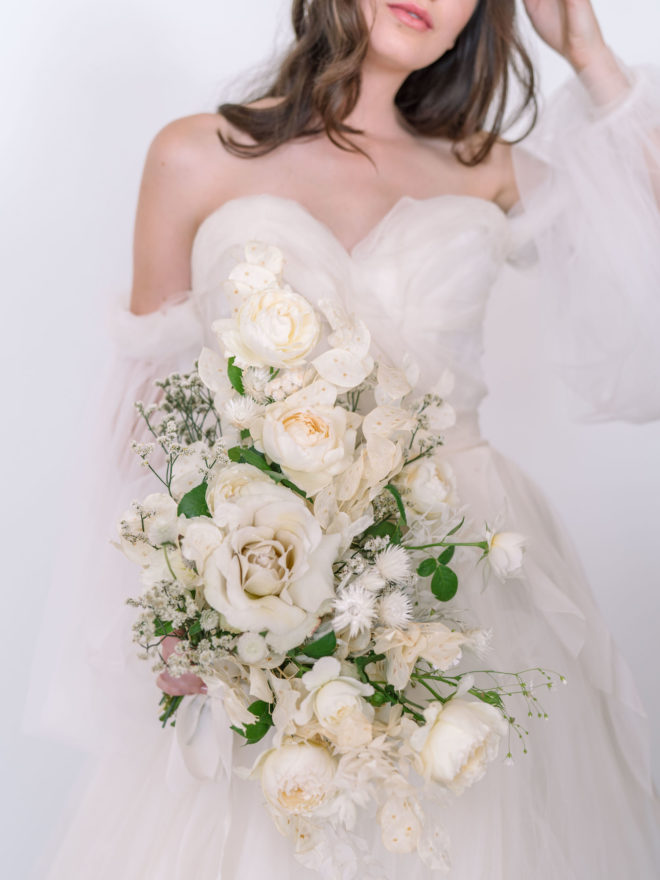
{"x":581,"y":804}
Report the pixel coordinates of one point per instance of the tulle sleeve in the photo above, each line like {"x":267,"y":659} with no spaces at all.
{"x":88,"y":688}
{"x":588,"y":216}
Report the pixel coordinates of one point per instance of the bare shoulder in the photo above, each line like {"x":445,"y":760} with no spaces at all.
{"x":495,"y":172}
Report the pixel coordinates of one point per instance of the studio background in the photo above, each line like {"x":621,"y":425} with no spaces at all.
{"x":85,"y":87}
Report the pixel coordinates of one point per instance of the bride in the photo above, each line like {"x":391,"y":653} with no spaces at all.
{"x":377,"y":162}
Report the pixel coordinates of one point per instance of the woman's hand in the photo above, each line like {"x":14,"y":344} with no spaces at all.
{"x":570,"y":27}
{"x":183,"y":684}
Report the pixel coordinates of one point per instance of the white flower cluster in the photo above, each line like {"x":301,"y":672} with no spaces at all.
{"x":281,"y":565}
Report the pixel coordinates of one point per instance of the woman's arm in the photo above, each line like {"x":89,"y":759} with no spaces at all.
{"x":171,"y":205}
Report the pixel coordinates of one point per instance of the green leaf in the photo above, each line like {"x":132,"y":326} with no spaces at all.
{"x":322,"y":647}
{"x":194,"y":503}
{"x":235,"y":375}
{"x":427,"y":567}
{"x":258,"y":730}
{"x":455,"y":529}
{"x":384,"y":529}
{"x":444,"y":583}
{"x":260,"y":708}
{"x":399,"y":503}
{"x":195,"y":628}
{"x":490,"y":697}
{"x":447,"y":555}
{"x":235,"y":453}
{"x":257,"y":459}
{"x":245,"y":433}
{"x":163,"y":627}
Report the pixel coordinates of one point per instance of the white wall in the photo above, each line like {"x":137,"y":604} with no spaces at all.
{"x":85,"y":87}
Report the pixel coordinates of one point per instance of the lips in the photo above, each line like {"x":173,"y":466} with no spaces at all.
{"x":412,"y":14}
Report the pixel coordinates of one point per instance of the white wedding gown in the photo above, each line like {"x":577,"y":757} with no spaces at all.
{"x":581,"y":804}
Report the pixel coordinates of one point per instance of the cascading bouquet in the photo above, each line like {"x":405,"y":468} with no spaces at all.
{"x":296,"y":563}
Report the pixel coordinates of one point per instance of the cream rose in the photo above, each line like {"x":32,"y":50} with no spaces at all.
{"x":429,"y":486}
{"x":273,"y":327}
{"x":308,"y":436}
{"x":265,"y":563}
{"x":297,"y":777}
{"x":458,"y":740}
{"x":337,"y":701}
{"x":505,"y":552}
{"x":231,"y":481}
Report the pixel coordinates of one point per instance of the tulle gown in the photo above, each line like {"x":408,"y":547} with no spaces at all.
{"x":581,"y":804}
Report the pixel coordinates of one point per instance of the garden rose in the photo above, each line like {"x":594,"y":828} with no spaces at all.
{"x":272,"y":325}
{"x":337,"y":701}
{"x":308,"y":436}
{"x":296,"y":777}
{"x":429,"y":486}
{"x":458,"y":740}
{"x":265,"y":562}
{"x":505,"y":553}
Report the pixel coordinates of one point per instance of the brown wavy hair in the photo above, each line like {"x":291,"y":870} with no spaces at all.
{"x":462,"y":94}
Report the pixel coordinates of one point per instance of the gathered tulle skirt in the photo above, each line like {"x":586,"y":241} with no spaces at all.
{"x":580,"y":804}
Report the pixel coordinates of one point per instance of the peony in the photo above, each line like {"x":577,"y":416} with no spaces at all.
{"x":308,"y":436}
{"x":429,"y":486}
{"x":272,"y":325}
{"x":265,"y":562}
{"x":505,"y":552}
{"x":458,"y":740}
{"x":296,"y":777}
{"x":337,"y":701}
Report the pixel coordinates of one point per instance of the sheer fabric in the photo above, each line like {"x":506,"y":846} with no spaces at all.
{"x":582,"y":804}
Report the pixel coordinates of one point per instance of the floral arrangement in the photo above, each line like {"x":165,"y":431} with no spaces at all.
{"x":296,"y":564}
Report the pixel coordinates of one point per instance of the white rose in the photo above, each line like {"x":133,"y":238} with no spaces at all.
{"x":505,"y":552}
{"x":297,"y":777}
{"x":267,"y":566}
{"x":231,"y":481}
{"x":429,"y":486}
{"x":308,"y":436}
{"x":458,"y":740}
{"x":273,"y":327}
{"x":338,"y":703}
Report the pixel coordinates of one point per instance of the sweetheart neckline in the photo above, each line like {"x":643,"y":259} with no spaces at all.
{"x":320,"y":224}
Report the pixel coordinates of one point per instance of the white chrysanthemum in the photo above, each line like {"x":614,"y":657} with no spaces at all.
{"x":355,"y":610}
{"x":393,"y":564}
{"x":240,"y":411}
{"x":395,"y":609}
{"x":254,"y":382}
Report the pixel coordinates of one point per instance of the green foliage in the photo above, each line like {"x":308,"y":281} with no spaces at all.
{"x":235,"y":375}
{"x":427,"y":567}
{"x":444,"y":583}
{"x":194,"y":503}
{"x":322,"y":647}
{"x":255,"y":732}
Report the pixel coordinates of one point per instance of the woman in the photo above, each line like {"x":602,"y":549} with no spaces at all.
{"x":376,"y":163}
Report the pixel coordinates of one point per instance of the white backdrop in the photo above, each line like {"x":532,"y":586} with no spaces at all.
{"x":84,"y":89}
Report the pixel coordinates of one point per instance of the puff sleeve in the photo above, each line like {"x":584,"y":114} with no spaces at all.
{"x":87,"y":684}
{"x":589,"y":217}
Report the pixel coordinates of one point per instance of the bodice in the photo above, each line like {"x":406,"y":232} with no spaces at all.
{"x":419,"y":279}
